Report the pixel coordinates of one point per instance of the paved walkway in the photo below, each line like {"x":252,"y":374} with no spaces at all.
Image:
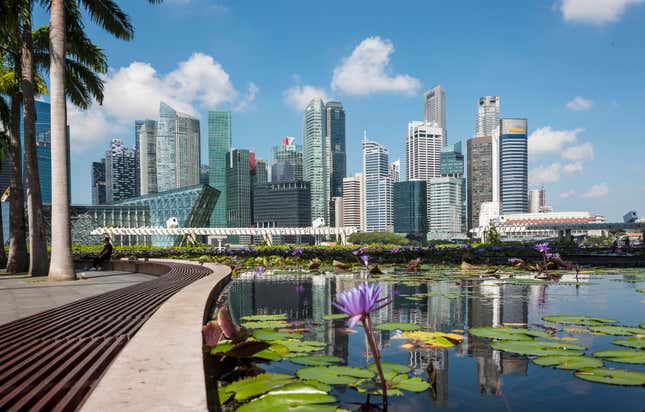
{"x":24,"y":296}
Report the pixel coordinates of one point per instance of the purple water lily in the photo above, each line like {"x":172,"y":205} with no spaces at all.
{"x":542,"y":247}
{"x":359,"y":301}
{"x":297,"y":251}
{"x":552,"y":255}
{"x":365,"y":259}
{"x":395,"y":249}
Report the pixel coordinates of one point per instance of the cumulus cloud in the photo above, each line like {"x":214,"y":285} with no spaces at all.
{"x":595,"y":11}
{"x":134,"y":92}
{"x":367,"y":71}
{"x":545,"y":174}
{"x":548,"y":140}
{"x":583,"y":151}
{"x":567,"y":194}
{"x":579,"y":104}
{"x":249,"y":98}
{"x":575,"y":167}
{"x":599,"y":190}
{"x":297,"y":97}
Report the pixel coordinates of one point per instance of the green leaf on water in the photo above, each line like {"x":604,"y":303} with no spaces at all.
{"x":336,"y":316}
{"x":409,"y":384}
{"x":569,"y":362}
{"x":270,"y":334}
{"x":618,"y":330}
{"x":297,"y":397}
{"x":638,"y":343}
{"x":302,"y":345}
{"x":390,"y":367}
{"x":537,"y":347}
{"x":622,"y":355}
{"x":334,"y":375}
{"x":506,"y":333}
{"x":222,"y":346}
{"x":313,"y":360}
{"x":578,"y":320}
{"x":257,"y":385}
{"x":397,"y":326}
{"x":266,"y":324}
{"x":612,"y":376}
{"x":263,"y":318}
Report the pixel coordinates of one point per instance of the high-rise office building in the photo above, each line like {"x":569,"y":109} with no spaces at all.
{"x":446,"y":207}
{"x":435,"y":106}
{"x":261,"y":172}
{"x":452,"y":161}
{"x":537,"y":200}
{"x":146,"y":137}
{"x":120,"y":162}
{"x":291,"y":153}
{"x":281,"y":172}
{"x":395,"y":171}
{"x":487,"y":115}
{"x":284,"y":204}
{"x":378,"y":187}
{"x":410,"y":207}
{"x":203,"y":174}
{"x":238,"y":188}
{"x":336,"y":139}
{"x":452,"y":165}
{"x":423,"y":152}
{"x":353,"y":202}
{"x":316,"y":158}
{"x":178,"y":149}
{"x":219,"y":144}
{"x":99,"y":195}
{"x":513,"y":166}
{"x":479,"y":176}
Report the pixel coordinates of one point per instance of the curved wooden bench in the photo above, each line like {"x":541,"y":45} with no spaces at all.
{"x":51,"y":361}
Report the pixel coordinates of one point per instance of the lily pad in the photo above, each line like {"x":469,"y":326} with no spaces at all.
{"x":270,"y":334}
{"x":537,"y":347}
{"x":302,"y":345}
{"x":506,"y":333}
{"x":336,"y":316}
{"x":266,"y":324}
{"x":612,"y":376}
{"x":257,"y":385}
{"x":390,"y":367}
{"x":622,"y":355}
{"x":435,"y":339}
{"x":262,"y":318}
{"x":334,"y":375}
{"x":618,"y":330}
{"x":313,"y":360}
{"x":397,"y":326}
{"x":293,"y":397}
{"x":638,"y":343}
{"x":569,"y":362}
{"x":578,"y":320}
{"x":409,"y":384}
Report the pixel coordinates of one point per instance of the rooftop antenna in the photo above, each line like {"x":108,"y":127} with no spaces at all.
{"x":364,"y":135}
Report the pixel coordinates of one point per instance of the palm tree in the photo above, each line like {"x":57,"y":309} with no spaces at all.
{"x":108,"y":15}
{"x":5,"y":145}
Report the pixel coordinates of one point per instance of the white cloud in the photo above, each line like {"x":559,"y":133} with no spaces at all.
{"x":249,"y":98}
{"x":595,"y":11}
{"x":134,"y":92}
{"x":547,"y":140}
{"x":567,"y":194}
{"x":297,"y":97}
{"x":367,"y":69}
{"x":575,"y":167}
{"x":579,"y":104}
{"x":545,"y":174}
{"x":599,"y":190}
{"x":583,"y":151}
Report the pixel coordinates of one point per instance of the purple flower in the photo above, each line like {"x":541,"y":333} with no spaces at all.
{"x":395,"y":249}
{"x":297,"y":251}
{"x":365,"y":259}
{"x":542,"y":248}
{"x":261,"y":270}
{"x":359,"y":301}
{"x":234,"y":259}
{"x":552,"y":255}
{"x":465,"y":247}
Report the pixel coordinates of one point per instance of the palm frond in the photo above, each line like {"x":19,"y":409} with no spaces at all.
{"x":108,"y":15}
{"x":82,"y":85}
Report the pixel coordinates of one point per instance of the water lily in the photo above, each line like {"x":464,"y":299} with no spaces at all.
{"x":542,"y":247}
{"x":365,"y":259}
{"x":395,"y":249}
{"x":260,"y":270}
{"x":297,"y":251}
{"x":552,"y":255}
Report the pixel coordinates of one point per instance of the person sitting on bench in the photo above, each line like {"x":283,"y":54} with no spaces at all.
{"x":104,"y":256}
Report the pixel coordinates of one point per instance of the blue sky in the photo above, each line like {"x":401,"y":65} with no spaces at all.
{"x":574,"y":68}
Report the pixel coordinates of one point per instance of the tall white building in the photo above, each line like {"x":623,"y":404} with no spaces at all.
{"x":316,"y":158}
{"x":487,"y":115}
{"x":146,"y":135}
{"x":378,"y":187}
{"x":446,"y":207}
{"x":435,"y":106}
{"x":395,"y":171}
{"x":353,"y":202}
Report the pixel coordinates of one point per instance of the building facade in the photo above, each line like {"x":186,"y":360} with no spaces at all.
{"x":435,"y":106}
{"x":146,"y":136}
{"x":378,"y":187}
{"x":291,"y":153}
{"x":353,"y":202}
{"x":285,"y":204}
{"x":487,"y":115}
{"x":537,"y":200}
{"x":120,"y":163}
{"x":410,"y":207}
{"x":220,"y":141}
{"x":336,"y":139}
{"x":316,"y":158}
{"x":99,"y":193}
{"x":178,"y":149}
{"x":238,"y":188}
{"x":513,"y":166}
{"x":479,"y":177}
{"x":446,"y":207}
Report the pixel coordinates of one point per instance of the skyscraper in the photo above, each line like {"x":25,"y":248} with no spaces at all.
{"x":423,"y":152}
{"x":120,"y":181}
{"x":487,"y":115}
{"x":219,"y":144}
{"x":98,"y":183}
{"x":513,"y":166}
{"x":238,"y":188}
{"x":353,"y":202}
{"x":446,"y":206}
{"x":452,"y":161}
{"x":410,"y":207}
{"x":146,"y":136}
{"x":284,"y":204}
{"x":378,"y":187}
{"x":435,"y":106}
{"x":290,"y":152}
{"x":537,"y":200}
{"x":480,"y":176}
{"x":395,"y":171}
{"x":316,"y":158}
{"x":336,"y":139}
{"x":178,"y":149}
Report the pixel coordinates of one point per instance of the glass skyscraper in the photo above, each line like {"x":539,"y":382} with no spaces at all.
{"x":99,"y":192}
{"x":480,"y":176}
{"x":178,"y":149}
{"x":316,"y":158}
{"x":513,"y":166}
{"x":336,"y":139}
{"x":452,"y":161}
{"x":219,"y":144}
{"x":487,"y":115}
{"x":146,"y":135}
{"x":435,"y":106}
{"x":120,"y":181}
{"x":378,"y":187}
{"x":410,"y":207}
{"x":291,"y":153}
{"x":238,"y":188}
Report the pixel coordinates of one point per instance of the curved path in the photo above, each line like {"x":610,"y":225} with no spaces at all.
{"x":51,"y":361}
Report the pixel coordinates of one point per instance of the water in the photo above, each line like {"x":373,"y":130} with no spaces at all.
{"x":469,"y":376}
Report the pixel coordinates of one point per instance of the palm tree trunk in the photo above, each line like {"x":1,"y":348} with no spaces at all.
{"x":62,"y":265}
{"x":17,"y":260}
{"x":38,"y":259}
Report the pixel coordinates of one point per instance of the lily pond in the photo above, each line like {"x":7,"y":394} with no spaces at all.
{"x":450,"y":339}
